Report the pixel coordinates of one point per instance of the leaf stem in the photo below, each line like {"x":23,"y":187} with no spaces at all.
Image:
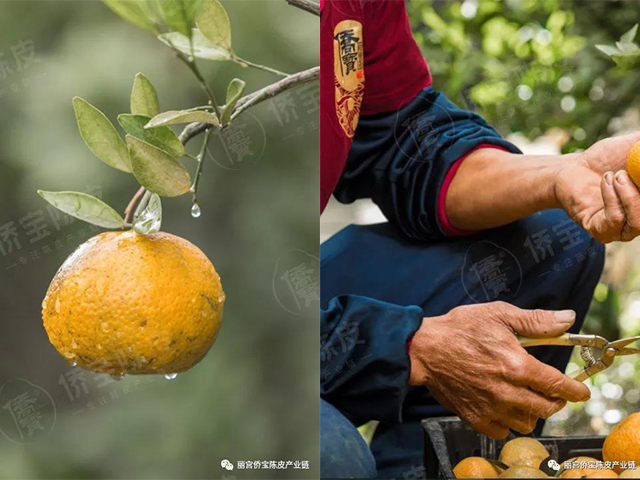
{"x":193,"y":66}
{"x":198,"y":174}
{"x":247,"y":63}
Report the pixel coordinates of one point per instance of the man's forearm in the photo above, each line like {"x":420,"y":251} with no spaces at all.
{"x":493,"y":188}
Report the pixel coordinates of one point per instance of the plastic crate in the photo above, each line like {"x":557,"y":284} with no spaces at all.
{"x":448,"y":440}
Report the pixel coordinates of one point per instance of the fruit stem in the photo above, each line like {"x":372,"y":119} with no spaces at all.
{"x":132,"y":205}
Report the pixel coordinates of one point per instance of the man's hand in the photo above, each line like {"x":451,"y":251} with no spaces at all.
{"x":597,"y":193}
{"x":473,"y":364}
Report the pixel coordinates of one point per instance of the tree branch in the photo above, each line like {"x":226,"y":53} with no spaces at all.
{"x":306,"y":5}
{"x":194,"y":129}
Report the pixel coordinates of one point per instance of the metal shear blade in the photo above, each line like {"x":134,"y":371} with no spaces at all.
{"x":609,"y":350}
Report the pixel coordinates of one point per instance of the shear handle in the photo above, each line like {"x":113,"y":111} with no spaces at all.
{"x":566,"y":340}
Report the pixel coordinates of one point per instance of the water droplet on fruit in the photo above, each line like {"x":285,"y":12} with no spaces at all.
{"x":57,"y":307}
{"x":74,"y":364}
{"x":118,"y":376}
{"x":171,"y":376}
{"x":195,"y":210}
{"x":73,"y":343}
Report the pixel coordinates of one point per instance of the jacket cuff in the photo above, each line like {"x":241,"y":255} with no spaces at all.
{"x":443,"y":221}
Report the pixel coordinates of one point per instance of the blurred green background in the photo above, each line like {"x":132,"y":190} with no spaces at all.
{"x":532,"y":69}
{"x":255,"y":397}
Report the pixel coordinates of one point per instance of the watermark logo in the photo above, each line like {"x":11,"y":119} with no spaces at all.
{"x":239,"y":145}
{"x":27,"y":411}
{"x":226,"y":464}
{"x":490,"y":273}
{"x":296,"y":282}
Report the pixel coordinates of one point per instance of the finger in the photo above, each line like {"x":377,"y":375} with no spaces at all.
{"x":519,"y":421}
{"x":492,"y":429}
{"x":536,"y":323}
{"x":553,"y":383}
{"x":630,"y":199}
{"x":613,"y":209}
{"x":534,"y":404}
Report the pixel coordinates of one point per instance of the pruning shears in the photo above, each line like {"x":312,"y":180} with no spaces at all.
{"x":587,"y":343}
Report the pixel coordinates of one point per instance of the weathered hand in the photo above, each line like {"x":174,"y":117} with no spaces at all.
{"x":597,"y":193}
{"x":473,"y":364}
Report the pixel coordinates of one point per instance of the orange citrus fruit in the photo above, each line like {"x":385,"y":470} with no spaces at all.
{"x":633,"y":164}
{"x":587,"y":472}
{"x":475,"y":467}
{"x":523,"y":451}
{"x":521,"y":471}
{"x":623,"y":443}
{"x":126,"y":303}
{"x":630,"y":473}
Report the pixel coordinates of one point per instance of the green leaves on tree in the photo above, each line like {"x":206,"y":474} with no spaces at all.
{"x":85,"y":207}
{"x":162,"y":137}
{"x":100,"y":135}
{"x":148,"y":215}
{"x":156,"y":170}
{"x":234,"y":92}
{"x":213,"y":22}
{"x":176,"y":117}
{"x":134,"y":11}
{"x":202,"y":46}
{"x":179,"y":15}
{"x":144,"y":98}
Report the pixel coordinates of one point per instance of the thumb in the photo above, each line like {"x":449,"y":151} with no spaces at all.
{"x":539,"y":323}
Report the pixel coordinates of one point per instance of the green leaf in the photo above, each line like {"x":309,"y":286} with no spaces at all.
{"x":234,"y":92}
{"x":179,"y":14}
{"x":101,"y":136}
{"x":133,"y":11}
{"x":630,"y":35}
{"x":162,"y":137}
{"x":156,"y":170}
{"x":213,"y":22}
{"x":144,"y":98}
{"x":176,"y":117}
{"x":627,"y":47}
{"x":609,"y":50}
{"x":202,"y":46}
{"x":85,"y":207}
{"x":148,"y":216}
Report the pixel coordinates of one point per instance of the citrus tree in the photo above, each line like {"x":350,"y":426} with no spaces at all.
{"x":196,"y":30}
{"x":136,"y":301}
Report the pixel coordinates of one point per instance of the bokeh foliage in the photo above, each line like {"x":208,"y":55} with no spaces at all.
{"x":531,"y":67}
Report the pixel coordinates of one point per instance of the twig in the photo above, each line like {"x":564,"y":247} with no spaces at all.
{"x":194,"y":129}
{"x":196,"y":179}
{"x":196,"y":71}
{"x":275,"y":89}
{"x":247,"y":63}
{"x":132,"y":204}
{"x":306,"y":5}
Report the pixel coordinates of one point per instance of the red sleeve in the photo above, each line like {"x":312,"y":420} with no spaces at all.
{"x":396,"y":70}
{"x":341,"y":86}
{"x":358,"y":39}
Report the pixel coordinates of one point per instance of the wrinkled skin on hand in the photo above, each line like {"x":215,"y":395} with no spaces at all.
{"x":472,"y":363}
{"x":598,"y":194}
